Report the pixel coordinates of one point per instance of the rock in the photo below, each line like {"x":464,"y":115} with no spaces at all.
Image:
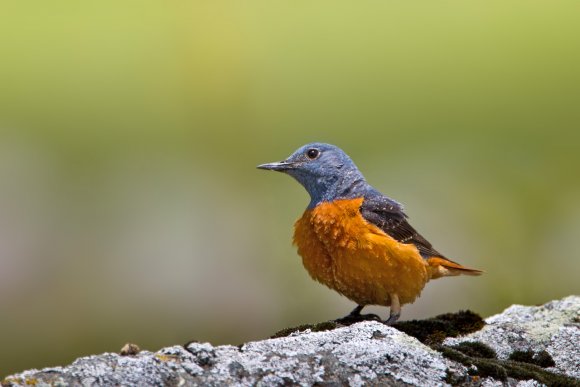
{"x":553,"y":328}
{"x":367,"y":352}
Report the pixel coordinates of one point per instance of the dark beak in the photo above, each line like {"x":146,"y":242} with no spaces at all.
{"x":280,"y":166}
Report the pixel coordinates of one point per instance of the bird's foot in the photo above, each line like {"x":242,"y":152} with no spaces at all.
{"x":392,"y":319}
{"x":354,"y":318}
{"x":395,"y":311}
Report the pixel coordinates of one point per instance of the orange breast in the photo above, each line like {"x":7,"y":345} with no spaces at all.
{"x":340,"y":249}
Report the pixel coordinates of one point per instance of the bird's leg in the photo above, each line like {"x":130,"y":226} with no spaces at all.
{"x":395,"y":312}
{"x":355,"y":316}
{"x":356,"y":311}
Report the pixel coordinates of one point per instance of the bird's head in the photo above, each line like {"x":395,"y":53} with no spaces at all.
{"x":324,"y":170}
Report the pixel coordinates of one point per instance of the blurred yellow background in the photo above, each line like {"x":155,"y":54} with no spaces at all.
{"x":130,"y":206}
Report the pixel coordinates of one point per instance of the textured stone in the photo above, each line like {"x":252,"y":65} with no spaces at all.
{"x":356,"y":355}
{"x":553,"y":327}
{"x":362,"y":354}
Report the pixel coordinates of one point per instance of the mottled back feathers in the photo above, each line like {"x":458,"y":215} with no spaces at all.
{"x":388,"y":215}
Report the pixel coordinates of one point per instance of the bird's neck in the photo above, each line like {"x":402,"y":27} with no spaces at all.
{"x":349,"y":185}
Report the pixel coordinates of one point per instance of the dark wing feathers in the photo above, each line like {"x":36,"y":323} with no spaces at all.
{"x":388,"y":215}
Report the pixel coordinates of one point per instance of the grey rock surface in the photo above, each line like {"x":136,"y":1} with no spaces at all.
{"x":553,"y":327}
{"x":366,"y":353}
{"x":363,"y":353}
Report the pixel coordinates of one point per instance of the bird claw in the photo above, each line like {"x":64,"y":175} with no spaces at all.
{"x":392,"y":319}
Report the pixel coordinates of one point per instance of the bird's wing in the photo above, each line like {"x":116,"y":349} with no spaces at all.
{"x":388,"y":215}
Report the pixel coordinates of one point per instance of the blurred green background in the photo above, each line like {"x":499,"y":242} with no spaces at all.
{"x":130,"y":206}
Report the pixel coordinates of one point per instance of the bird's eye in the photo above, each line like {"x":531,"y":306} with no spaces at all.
{"x":312,"y":153}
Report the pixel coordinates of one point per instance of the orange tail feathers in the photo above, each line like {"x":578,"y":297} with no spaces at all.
{"x":441,"y":267}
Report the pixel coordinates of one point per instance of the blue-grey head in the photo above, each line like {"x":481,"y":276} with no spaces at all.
{"x":325,"y":171}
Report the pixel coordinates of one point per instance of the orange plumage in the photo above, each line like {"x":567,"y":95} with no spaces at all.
{"x":356,"y":240}
{"x":340,"y":249}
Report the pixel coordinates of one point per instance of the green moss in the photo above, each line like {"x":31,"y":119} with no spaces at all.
{"x":318,"y":327}
{"x":481,"y":360}
{"x":434,"y":330}
{"x":452,"y":354}
{"x":489,"y":368}
{"x":475,"y":349}
{"x":542,"y":358}
{"x":525,"y":371}
{"x":478,"y":355}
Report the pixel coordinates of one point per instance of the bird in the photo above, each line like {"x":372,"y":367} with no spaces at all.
{"x":354,"y":239}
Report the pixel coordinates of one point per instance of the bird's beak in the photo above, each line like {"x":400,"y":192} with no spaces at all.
{"x":280,"y":166}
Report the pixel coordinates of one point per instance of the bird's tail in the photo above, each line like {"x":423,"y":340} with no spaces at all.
{"x":442,"y":267}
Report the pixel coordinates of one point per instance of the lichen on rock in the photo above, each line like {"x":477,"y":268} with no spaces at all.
{"x":524,"y":346}
{"x":552,"y":327}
